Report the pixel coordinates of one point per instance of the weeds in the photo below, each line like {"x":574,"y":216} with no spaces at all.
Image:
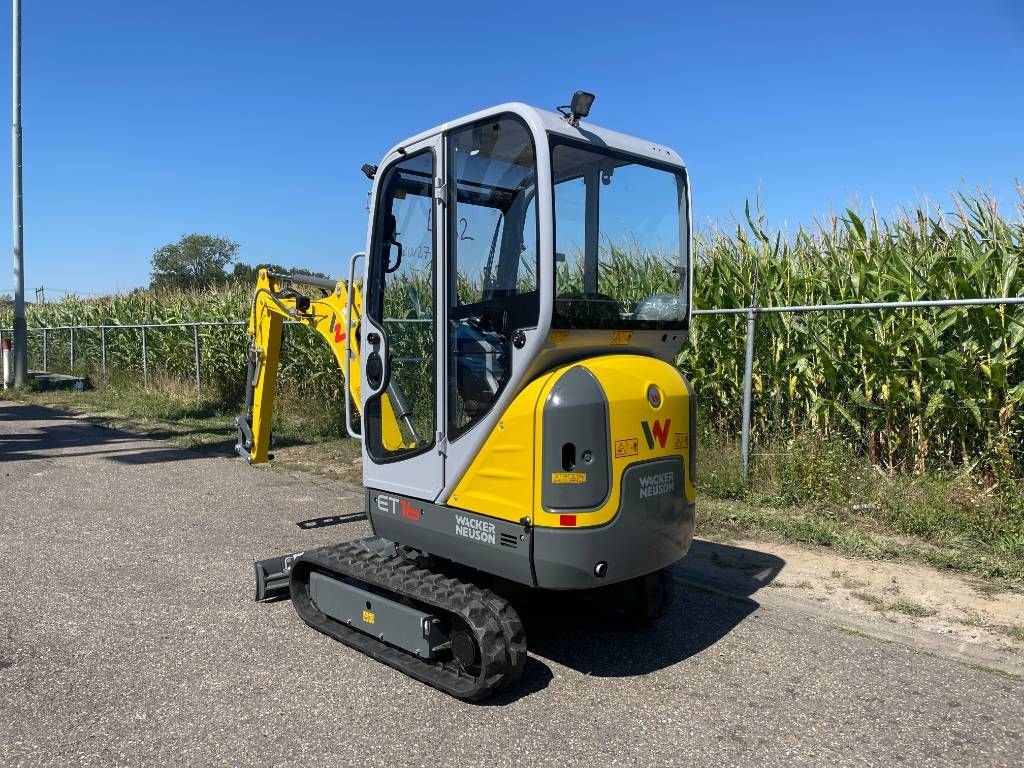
{"x":910,"y":608}
{"x":873,"y":600}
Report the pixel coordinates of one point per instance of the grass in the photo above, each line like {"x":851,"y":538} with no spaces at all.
{"x":906,"y":607}
{"x":819,"y":491}
{"x":873,"y":600}
{"x":910,"y":608}
{"x":804,"y":584}
{"x":864,"y":635}
{"x":1013,"y":631}
{"x":994,"y":671}
{"x":730,"y":519}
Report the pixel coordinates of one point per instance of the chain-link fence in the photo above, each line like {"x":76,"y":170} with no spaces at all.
{"x":132,"y":349}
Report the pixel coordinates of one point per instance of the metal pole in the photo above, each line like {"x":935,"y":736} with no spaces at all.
{"x":20,"y":326}
{"x":748,"y":379}
{"x":145,"y":368}
{"x":72,"y":371}
{"x":748,"y":386}
{"x":103,"y":349}
{"x":44,"y":350}
{"x":195,"y":341}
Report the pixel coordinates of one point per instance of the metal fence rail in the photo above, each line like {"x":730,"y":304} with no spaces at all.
{"x":750,"y":312}
{"x":45,"y":331}
{"x":753,"y":311}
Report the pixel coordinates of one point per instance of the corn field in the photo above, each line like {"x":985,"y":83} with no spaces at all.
{"x":911,"y":389}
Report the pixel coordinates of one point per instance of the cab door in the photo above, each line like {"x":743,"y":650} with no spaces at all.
{"x":400,"y":371}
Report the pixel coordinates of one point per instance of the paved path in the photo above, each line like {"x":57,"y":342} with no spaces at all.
{"x":128,"y":637}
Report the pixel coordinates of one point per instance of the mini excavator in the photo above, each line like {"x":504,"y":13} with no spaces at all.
{"x":508,"y":341}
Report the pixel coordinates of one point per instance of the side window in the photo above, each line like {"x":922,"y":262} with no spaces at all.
{"x":492,"y":261}
{"x":570,"y":235}
{"x":401,"y":300}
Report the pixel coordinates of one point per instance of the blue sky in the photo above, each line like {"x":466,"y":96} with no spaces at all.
{"x":148,"y":120}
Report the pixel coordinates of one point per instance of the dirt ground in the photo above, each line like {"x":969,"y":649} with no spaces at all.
{"x":968,"y":614}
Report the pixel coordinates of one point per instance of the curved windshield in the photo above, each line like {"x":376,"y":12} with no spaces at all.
{"x":620,"y":241}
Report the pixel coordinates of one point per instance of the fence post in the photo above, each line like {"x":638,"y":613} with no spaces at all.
{"x":195,"y":341}
{"x":72,"y":371}
{"x":103,"y":350}
{"x":748,"y":378}
{"x":145,"y":366}
{"x":44,"y":351}
{"x":748,"y":386}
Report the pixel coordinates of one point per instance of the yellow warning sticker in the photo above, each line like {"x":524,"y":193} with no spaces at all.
{"x":627,"y":447}
{"x":368,"y":617}
{"x":622,"y":337}
{"x":568,"y":478}
{"x":559,"y":337}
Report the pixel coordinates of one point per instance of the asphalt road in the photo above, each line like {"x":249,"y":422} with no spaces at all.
{"x":128,"y":636}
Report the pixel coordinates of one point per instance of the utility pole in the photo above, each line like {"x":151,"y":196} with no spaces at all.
{"x":20,"y":327}
{"x":41,"y":295}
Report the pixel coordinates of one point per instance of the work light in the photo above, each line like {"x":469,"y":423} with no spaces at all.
{"x":580,"y":104}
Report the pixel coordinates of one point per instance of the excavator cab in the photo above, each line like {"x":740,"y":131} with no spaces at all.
{"x":502,"y":246}
{"x":509,"y":338}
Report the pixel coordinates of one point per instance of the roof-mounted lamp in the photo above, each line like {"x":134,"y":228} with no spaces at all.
{"x":578,"y":108}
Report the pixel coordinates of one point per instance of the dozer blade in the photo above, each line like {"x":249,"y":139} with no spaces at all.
{"x":273,"y":576}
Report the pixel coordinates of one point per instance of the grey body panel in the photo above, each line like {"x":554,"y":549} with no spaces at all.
{"x":408,"y":628}
{"x":486,"y":543}
{"x":576,"y":414}
{"x":652,"y":529}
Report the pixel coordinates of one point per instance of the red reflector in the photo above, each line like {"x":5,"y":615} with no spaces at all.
{"x":567,"y":519}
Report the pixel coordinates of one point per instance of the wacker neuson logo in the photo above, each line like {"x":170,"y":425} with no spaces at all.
{"x":471,"y":528}
{"x":658,"y":433}
{"x":657,"y":485}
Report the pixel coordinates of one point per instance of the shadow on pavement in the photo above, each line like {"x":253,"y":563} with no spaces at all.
{"x":713,"y":589}
{"x":52,"y":434}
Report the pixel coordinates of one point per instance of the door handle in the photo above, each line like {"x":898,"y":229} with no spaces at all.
{"x":374,"y":370}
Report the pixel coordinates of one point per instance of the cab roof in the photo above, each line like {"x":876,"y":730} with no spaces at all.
{"x":545,"y":121}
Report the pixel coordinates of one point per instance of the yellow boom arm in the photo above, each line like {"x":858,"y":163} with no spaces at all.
{"x":328,"y":316}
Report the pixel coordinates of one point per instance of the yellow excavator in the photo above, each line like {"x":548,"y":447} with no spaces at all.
{"x":508,"y":341}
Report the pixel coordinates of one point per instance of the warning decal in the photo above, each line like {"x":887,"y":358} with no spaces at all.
{"x":627,"y":447}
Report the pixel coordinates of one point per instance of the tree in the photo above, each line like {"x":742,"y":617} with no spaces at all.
{"x":246,"y":274}
{"x":194,"y":262}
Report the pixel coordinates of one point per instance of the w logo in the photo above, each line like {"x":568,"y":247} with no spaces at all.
{"x":659,"y":432}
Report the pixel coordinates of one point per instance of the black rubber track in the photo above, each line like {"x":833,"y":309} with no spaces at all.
{"x":492,"y":621}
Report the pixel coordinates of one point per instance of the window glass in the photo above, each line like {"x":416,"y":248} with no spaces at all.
{"x":620,"y":241}
{"x":401,"y":300}
{"x":492,"y":260}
